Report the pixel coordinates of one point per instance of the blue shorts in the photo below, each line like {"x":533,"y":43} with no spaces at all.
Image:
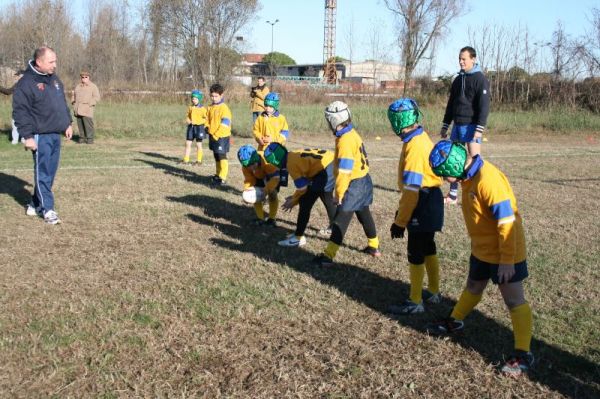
{"x":195,"y":132}
{"x":219,"y":146}
{"x":480,"y":270}
{"x":464,"y":134}
{"x":324,"y":181}
{"x":359,"y":195}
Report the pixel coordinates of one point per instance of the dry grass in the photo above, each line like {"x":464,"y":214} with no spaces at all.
{"x":156,"y":286}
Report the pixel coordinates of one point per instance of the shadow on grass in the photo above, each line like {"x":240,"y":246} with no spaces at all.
{"x":561,"y":371}
{"x":15,"y":187}
{"x":185,"y":172}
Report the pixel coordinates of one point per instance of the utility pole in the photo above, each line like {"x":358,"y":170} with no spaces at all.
{"x":271,"y":63}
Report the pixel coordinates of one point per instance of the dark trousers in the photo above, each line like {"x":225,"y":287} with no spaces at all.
{"x":306,"y":203}
{"x":342,"y":221}
{"x":85,"y":125}
{"x":45,"y":165}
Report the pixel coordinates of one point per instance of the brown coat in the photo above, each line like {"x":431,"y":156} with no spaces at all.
{"x":85,"y":98}
{"x":258,"y":98}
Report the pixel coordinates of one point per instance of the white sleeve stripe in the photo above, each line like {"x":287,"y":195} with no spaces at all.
{"x":505,"y":221}
{"x":411,"y":188}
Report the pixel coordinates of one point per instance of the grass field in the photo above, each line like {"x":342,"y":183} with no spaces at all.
{"x":157,"y":286}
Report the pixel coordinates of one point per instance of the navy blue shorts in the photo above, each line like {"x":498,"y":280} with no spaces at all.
{"x":359,"y":195}
{"x":219,"y":146}
{"x":480,"y":270}
{"x":194,"y":132}
{"x":464,"y":134}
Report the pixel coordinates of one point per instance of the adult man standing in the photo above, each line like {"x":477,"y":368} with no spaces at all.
{"x":41,"y":114}
{"x":85,"y":98}
{"x":258,"y":94}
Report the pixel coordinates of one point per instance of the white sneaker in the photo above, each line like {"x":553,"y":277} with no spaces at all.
{"x":325,"y":232}
{"x":292,"y":241}
{"x":51,"y":217}
{"x":32,"y":210}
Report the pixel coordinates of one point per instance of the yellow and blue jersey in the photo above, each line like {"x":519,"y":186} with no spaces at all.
{"x":304,"y":165}
{"x":219,"y":120}
{"x":350,"y":159}
{"x":197,"y":114}
{"x":414,"y":173}
{"x":491,"y":215}
{"x":264,"y":173}
{"x":275,"y":126}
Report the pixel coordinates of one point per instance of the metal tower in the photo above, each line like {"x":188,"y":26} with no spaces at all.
{"x":329,"y":73}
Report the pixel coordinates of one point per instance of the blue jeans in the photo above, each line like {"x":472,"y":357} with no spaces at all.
{"x":45,"y":166}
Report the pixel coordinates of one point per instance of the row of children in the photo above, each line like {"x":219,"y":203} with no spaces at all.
{"x":341,"y":180}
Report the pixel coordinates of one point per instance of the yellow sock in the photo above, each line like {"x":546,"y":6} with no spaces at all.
{"x":522,"y":321}
{"x":186,"y":158}
{"x":373,"y":242}
{"x":258,"y":208}
{"x":417,"y":272}
{"x":223,"y":169}
{"x":331,"y":249}
{"x":432,"y":265}
{"x":273,"y":206}
{"x":465,"y":304}
{"x":199,"y":155}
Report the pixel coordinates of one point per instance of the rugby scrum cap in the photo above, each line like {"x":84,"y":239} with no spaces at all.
{"x":403,"y":113}
{"x":272,"y":100}
{"x":337,"y":113}
{"x":197,"y":94}
{"x":253,"y":195}
{"x":275,"y":154}
{"x":248,"y":155}
{"x":447,"y":159}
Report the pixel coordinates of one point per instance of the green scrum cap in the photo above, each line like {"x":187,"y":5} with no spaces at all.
{"x":403,"y":113}
{"x":447,"y":159}
{"x":275,"y":154}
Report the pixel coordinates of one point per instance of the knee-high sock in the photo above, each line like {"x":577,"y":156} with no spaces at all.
{"x":273,"y":206}
{"x":258,"y":208}
{"x":417,"y":272}
{"x":373,"y":242}
{"x":199,"y":155}
{"x":331,"y":249}
{"x":224,"y":169}
{"x":465,"y":305}
{"x":522,"y":321}
{"x":432,"y":266}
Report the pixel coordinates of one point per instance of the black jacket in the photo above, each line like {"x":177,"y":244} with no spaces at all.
{"x":469,"y":101}
{"x":39,"y":104}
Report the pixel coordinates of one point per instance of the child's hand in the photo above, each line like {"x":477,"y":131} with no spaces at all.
{"x":188,"y":121}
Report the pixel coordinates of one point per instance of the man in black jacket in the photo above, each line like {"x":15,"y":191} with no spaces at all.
{"x":41,"y":115}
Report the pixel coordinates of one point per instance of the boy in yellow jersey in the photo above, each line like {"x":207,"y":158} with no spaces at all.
{"x":219,"y":131}
{"x":258,"y":173}
{"x":353,"y":191}
{"x":258,"y":94}
{"x":497,"y":246}
{"x":312,"y":173}
{"x":196,"y":119}
{"x":421,"y":207}
{"x":270,"y":126}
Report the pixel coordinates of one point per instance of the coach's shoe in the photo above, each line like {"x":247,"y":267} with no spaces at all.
{"x":32,"y":210}
{"x":445,"y":327}
{"x":406,"y":308}
{"x":292,"y":241}
{"x":519,"y":363}
{"x":374,"y":252}
{"x":323,"y":260}
{"x":431,"y":298}
{"x":51,"y":217}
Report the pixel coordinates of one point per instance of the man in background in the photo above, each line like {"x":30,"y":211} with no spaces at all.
{"x":85,"y":98}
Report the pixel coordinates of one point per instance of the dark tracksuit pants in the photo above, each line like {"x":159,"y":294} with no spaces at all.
{"x":306,"y":203}
{"x":45,"y":165}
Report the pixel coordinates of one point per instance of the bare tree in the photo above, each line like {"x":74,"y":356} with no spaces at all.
{"x":419,"y":23}
{"x":589,"y":46}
